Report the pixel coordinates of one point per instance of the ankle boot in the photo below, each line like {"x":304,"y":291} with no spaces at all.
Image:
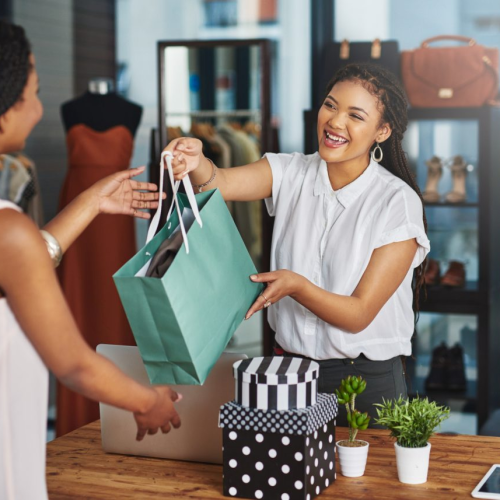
{"x":437,"y":378}
{"x":455,"y":275}
{"x":434,"y":173}
{"x":432,"y":272}
{"x":456,"y":369}
{"x":459,"y":174}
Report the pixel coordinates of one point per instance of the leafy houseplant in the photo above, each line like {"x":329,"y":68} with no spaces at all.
{"x":412,"y":423}
{"x":353,"y":452}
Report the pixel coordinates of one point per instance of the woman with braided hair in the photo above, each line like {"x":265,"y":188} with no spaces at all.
{"x":349,"y":237}
{"x":37,"y":331}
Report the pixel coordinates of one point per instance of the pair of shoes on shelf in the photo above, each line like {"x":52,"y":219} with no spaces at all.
{"x":458,"y":169}
{"x":453,"y":277}
{"x":447,"y":369}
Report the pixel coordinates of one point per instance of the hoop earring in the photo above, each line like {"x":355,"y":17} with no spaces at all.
{"x":379,"y":152}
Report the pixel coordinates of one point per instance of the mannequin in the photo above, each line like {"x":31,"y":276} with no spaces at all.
{"x":100,"y":127}
{"x":101,"y":108}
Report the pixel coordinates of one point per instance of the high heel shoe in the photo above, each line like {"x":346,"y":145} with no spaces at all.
{"x":459,"y":173}
{"x":434,"y":173}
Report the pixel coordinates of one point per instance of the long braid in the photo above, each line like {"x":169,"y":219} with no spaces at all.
{"x":14,"y":64}
{"x":394,"y":105}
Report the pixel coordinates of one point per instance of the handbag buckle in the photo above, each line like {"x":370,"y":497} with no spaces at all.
{"x":445,"y":93}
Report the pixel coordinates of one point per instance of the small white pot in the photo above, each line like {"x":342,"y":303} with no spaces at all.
{"x":353,"y":459}
{"x":413,"y":463}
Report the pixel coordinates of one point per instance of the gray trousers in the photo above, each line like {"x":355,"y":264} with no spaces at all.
{"x":384,"y":379}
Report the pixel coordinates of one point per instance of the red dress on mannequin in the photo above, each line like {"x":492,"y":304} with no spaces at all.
{"x":88,"y":265}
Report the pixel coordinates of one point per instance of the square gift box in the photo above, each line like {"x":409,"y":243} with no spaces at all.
{"x":284,"y":455}
{"x":276,"y":382}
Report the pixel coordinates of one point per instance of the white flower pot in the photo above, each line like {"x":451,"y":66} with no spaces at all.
{"x":352,"y":459}
{"x":413,"y":463}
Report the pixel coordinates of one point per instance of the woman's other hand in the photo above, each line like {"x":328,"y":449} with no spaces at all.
{"x":121,"y":194}
{"x":161,"y":415}
{"x":280,"y":284}
{"x":188,"y":154}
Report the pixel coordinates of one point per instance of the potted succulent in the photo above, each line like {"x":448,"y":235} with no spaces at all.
{"x":412,"y":423}
{"x":353,"y":452}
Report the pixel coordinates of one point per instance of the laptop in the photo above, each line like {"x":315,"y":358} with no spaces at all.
{"x":199,"y":438}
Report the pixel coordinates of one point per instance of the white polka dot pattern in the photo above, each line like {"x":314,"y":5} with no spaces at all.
{"x":263,"y":464}
{"x":297,"y":422}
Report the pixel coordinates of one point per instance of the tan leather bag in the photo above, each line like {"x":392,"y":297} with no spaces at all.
{"x":437,"y":77}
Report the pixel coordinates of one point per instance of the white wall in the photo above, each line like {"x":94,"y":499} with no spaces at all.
{"x":411,"y":21}
{"x":360,"y":20}
{"x":294,"y":72}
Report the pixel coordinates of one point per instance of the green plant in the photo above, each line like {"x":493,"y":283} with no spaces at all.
{"x":413,"y":422}
{"x":349,"y":388}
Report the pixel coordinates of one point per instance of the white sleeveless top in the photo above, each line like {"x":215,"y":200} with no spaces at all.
{"x":23,"y":409}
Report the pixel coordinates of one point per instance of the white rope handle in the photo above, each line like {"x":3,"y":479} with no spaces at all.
{"x":166,"y":157}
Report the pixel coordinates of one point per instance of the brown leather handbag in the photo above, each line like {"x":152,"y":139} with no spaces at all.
{"x":463,"y":76}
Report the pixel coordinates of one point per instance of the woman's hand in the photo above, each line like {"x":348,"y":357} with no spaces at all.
{"x":280,"y":284}
{"x":161,"y":415}
{"x":120,"y":194}
{"x":188,"y":154}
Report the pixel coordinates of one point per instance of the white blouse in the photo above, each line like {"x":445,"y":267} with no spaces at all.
{"x":328,"y":237}
{"x":24,"y":390}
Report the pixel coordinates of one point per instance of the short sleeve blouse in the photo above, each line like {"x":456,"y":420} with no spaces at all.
{"x":329,"y":236}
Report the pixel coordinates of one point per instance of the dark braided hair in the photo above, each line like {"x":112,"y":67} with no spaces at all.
{"x":393,"y":106}
{"x":15,"y":65}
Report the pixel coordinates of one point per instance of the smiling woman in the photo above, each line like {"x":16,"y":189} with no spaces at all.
{"x":349,"y":234}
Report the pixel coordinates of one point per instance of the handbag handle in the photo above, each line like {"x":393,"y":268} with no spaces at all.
{"x":166,"y":157}
{"x":456,"y":38}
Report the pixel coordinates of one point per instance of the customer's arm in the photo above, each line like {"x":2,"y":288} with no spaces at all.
{"x":29,"y":283}
{"x":115,"y":194}
{"x":386,"y":271}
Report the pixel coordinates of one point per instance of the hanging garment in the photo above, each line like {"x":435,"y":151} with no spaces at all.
{"x":24,"y":392}
{"x":88,"y":266}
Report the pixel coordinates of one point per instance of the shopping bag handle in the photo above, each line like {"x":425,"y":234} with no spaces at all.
{"x":166,"y":157}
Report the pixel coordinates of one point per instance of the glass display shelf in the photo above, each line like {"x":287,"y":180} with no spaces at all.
{"x":444,"y":362}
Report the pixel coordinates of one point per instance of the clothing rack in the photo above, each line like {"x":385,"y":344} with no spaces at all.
{"x":215,"y":113}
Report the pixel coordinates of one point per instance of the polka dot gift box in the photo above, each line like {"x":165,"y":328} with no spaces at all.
{"x":276,"y":383}
{"x":279,"y":454}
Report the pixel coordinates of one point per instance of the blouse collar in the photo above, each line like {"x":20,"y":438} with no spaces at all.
{"x":348,"y":193}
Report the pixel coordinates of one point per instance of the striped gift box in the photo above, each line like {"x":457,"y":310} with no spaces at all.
{"x":276,"y":383}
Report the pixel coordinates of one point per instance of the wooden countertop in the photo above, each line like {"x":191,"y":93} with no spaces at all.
{"x":78,"y":468}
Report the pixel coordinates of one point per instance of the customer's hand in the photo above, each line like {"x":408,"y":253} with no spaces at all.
{"x":120,"y":194}
{"x":280,"y":284}
{"x":187,"y":152}
{"x":162,"y":414}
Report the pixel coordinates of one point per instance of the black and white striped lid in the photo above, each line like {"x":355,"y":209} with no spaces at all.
{"x":276,"y":370}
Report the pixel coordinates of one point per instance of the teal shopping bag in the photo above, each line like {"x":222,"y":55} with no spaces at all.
{"x":183,"y":321}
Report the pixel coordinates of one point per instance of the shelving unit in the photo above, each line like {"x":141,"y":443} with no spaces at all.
{"x":478,"y":301}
